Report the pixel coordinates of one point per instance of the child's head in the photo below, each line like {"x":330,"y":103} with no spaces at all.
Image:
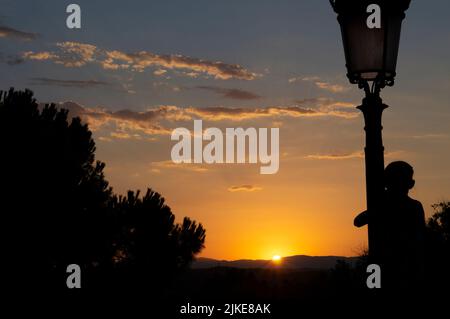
{"x":398,"y":177}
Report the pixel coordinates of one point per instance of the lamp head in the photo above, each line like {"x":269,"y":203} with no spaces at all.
{"x":371,"y":52}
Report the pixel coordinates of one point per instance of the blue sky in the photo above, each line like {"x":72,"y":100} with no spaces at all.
{"x":285,"y":38}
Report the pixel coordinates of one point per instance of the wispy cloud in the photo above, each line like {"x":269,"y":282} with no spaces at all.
{"x":124,"y":121}
{"x":244,"y":188}
{"x":156,"y":167}
{"x":325,"y":103}
{"x":141,"y":60}
{"x":125,"y":136}
{"x":336,"y":156}
{"x":161,"y":120}
{"x":10,"y":59}
{"x":302,"y":78}
{"x":430,"y":136}
{"x":235,"y":94}
{"x":69,"y":54}
{"x":334,"y":88}
{"x":75,"y":54}
{"x":220,"y":113}
{"x":68,"y":83}
{"x":352,"y":155}
{"x":7,"y":32}
{"x":39,"y":56}
{"x":159,"y":72}
{"x":321,"y":84}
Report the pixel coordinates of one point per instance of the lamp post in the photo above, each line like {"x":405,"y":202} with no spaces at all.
{"x":371,"y":58}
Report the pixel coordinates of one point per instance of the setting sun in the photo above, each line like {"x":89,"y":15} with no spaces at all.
{"x":276,"y":258}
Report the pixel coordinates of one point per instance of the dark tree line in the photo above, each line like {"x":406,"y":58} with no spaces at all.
{"x":57,"y":208}
{"x":438,"y":245}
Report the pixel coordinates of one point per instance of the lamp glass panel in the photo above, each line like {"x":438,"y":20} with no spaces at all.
{"x":392,"y":42}
{"x":365,"y":47}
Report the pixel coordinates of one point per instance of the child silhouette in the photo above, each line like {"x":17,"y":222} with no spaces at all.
{"x":400,"y":229}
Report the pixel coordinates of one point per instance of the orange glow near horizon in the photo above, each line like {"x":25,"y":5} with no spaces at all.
{"x":284,"y":218}
{"x":307,"y":208}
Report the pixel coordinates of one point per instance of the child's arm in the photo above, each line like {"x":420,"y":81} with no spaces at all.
{"x":362,"y":219}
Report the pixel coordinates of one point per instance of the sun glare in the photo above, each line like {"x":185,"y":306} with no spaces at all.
{"x":276,"y":258}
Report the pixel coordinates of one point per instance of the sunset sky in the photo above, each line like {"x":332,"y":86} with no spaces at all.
{"x":138,"y":69}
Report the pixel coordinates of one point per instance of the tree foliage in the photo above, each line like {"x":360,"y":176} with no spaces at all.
{"x":59,"y":209}
{"x":438,"y":244}
{"x":439,"y":223}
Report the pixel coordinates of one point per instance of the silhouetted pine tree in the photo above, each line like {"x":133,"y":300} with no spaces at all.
{"x":57,"y":208}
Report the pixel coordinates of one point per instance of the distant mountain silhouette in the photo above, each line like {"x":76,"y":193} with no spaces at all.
{"x":291,"y":262}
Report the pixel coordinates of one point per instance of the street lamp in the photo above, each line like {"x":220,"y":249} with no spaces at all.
{"x":371,"y":59}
